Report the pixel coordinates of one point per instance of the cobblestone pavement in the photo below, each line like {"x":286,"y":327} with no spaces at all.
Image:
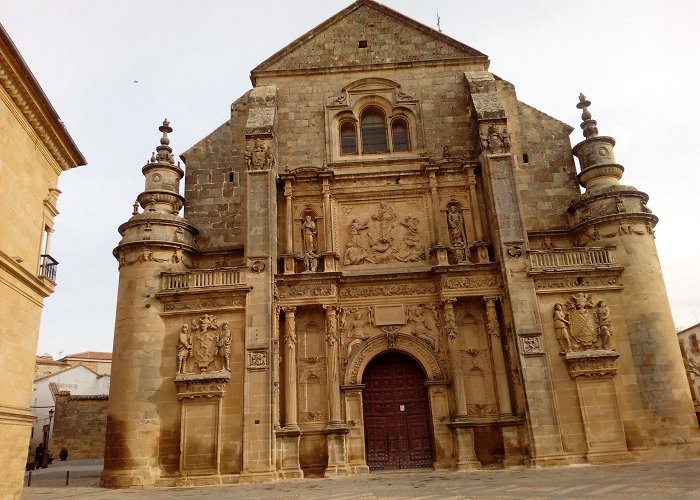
{"x":643,"y":480}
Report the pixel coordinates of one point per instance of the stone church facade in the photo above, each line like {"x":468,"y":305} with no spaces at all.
{"x":386,"y":260}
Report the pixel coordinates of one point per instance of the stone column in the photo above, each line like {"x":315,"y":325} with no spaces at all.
{"x":499,"y":365}
{"x":332,"y":359}
{"x":438,"y":243}
{"x":455,"y":357}
{"x":289,"y":227}
{"x":288,"y":438}
{"x":288,"y":215}
{"x":355,"y":438}
{"x":330,"y":258}
{"x":482,"y":253}
{"x":290,"y":369}
{"x":336,"y":430}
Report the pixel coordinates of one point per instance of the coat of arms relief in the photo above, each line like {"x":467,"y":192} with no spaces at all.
{"x":581,"y":325}
{"x":204,"y":346}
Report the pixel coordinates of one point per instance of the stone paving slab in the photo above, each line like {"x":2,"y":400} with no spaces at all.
{"x":647,"y":480}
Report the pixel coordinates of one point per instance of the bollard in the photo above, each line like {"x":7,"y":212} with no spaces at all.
{"x":29,"y":479}
{"x":67,"y":477}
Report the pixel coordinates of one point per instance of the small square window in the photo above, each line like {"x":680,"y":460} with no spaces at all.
{"x":362,"y":44}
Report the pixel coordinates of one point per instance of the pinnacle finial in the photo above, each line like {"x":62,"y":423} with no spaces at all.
{"x":588,"y":125}
{"x":166,"y":129}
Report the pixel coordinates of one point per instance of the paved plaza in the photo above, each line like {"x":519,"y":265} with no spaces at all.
{"x":643,"y":480}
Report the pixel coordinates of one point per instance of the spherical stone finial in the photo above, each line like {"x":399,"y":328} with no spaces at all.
{"x":588,"y":125}
{"x":166,"y":129}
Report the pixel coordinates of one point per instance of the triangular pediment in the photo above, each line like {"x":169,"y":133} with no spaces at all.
{"x":390,"y":37}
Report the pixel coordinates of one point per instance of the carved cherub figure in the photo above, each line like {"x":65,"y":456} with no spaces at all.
{"x":419,"y":327}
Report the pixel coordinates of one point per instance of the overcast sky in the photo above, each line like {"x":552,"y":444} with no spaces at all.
{"x":114,"y":70}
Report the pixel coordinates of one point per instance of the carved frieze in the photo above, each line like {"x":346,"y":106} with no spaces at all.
{"x":307,"y":290}
{"x":197,"y":304}
{"x":555,"y":284}
{"x":202,"y":385}
{"x":467,"y":282}
{"x":531,"y":344}
{"x":388,"y":290}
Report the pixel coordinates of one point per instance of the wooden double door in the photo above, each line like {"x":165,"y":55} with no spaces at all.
{"x":396,"y":414}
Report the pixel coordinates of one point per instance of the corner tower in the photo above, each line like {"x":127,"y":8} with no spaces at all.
{"x":611,"y":214}
{"x":153,"y":241}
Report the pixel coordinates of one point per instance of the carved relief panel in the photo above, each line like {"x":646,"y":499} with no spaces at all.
{"x":204,"y":346}
{"x":381,"y":233}
{"x":580,"y":324}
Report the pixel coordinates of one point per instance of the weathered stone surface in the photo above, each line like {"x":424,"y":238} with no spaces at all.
{"x":384,"y":208}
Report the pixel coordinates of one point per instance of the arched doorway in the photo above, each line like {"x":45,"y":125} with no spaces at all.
{"x":396,"y":414}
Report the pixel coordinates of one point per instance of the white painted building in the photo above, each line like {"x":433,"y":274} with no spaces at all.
{"x":76,"y":380}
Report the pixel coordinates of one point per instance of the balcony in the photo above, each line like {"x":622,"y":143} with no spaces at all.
{"x":205,"y":279}
{"x":572,"y":259}
{"x":48,"y":267}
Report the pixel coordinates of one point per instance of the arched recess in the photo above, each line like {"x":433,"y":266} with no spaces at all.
{"x":400,"y":342}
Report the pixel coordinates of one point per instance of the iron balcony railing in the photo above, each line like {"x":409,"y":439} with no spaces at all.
{"x":48,"y":267}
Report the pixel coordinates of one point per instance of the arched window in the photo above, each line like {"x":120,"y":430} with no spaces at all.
{"x":348,"y":138}
{"x":373,"y":127}
{"x":399,"y":135}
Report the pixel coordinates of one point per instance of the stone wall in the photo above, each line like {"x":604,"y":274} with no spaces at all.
{"x":215,"y":184}
{"x":79,"y":425}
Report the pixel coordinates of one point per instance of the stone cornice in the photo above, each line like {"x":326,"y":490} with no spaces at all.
{"x":26,"y":94}
{"x":33,"y":287}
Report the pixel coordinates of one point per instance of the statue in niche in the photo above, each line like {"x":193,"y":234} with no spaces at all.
{"x":184,"y":348}
{"x":310,"y":232}
{"x":355,"y":251}
{"x":413,"y":246}
{"x":419,"y":326}
{"x":356,"y":333}
{"x":225,"y":345}
{"x":561,"y":329}
{"x":586,"y":327}
{"x":455,"y":222}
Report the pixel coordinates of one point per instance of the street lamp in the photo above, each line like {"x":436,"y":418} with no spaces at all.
{"x":45,"y":460}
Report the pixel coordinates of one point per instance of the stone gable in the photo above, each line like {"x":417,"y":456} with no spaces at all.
{"x":390,"y":37}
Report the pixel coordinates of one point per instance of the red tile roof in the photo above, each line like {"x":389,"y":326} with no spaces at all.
{"x":96,"y":355}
